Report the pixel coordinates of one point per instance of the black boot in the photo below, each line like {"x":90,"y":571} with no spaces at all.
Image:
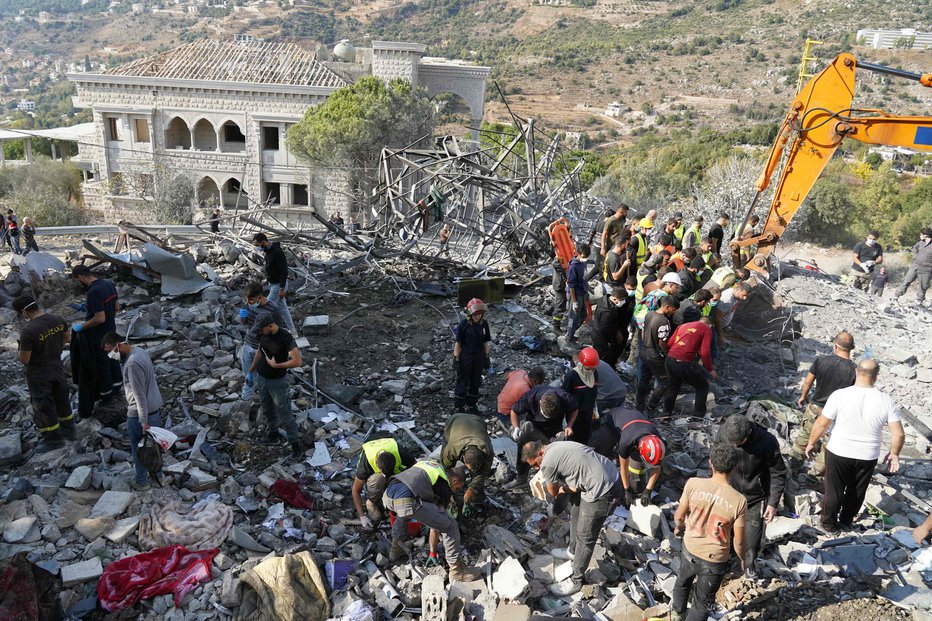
{"x":51,"y":440}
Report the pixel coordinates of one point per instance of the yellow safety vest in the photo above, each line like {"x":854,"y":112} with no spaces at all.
{"x":433,"y":469}
{"x":372,"y":449}
{"x":678,"y":235}
{"x":639,"y":292}
{"x":706,"y":256}
{"x":642,"y":249}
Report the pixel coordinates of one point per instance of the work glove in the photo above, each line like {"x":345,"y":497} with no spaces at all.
{"x":645,"y":497}
{"x":864,"y":267}
{"x":629,"y":497}
{"x":77,"y":327}
{"x":869,"y":264}
{"x":243,"y":313}
{"x":433,"y":560}
{"x":366,"y":522}
{"x":515,"y":433}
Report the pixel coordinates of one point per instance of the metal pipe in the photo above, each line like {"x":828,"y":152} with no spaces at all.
{"x":900,"y":73}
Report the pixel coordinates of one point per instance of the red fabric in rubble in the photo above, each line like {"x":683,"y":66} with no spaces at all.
{"x":172,"y":569}
{"x":292,"y":494}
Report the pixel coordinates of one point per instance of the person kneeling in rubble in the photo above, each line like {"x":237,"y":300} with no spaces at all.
{"x":423,"y":493}
{"x":546,"y":412}
{"x":466,"y":439}
{"x":380,"y":459}
{"x":594,"y":491}
{"x":627,"y":434}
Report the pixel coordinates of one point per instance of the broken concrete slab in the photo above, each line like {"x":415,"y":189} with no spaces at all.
{"x":84,"y":571}
{"x":509,"y":580}
{"x":645,"y":518}
{"x":23,"y":530}
{"x":92,"y":528}
{"x":315,"y":324}
{"x":512,"y":612}
{"x":204,"y":384}
{"x":781,"y":527}
{"x":122,"y":529}
{"x":396,"y":387}
{"x":433,"y":599}
{"x":503,"y":541}
{"x":541,"y":568}
{"x":11,"y":449}
{"x":80,"y":478}
{"x":111,"y":504}
{"x":563,"y":571}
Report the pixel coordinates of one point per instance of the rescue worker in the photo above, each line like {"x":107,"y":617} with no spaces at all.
{"x":617,"y":264}
{"x":690,"y":277}
{"x":101,"y":304}
{"x":921,"y":266}
{"x":693,"y":308}
{"x":612,"y":389}
{"x":669,"y":285}
{"x":717,"y":232}
{"x":41,"y":342}
{"x":612,"y":228}
{"x":689,"y":342}
{"x":465,"y":439}
{"x":639,"y":448}
{"x":679,"y":230}
{"x":693,"y":235}
{"x":760,"y":475}
{"x":647,"y":273}
{"x":706,"y":245}
{"x":594,"y":490}
{"x":577,"y":291}
{"x":596,"y":245}
{"x":866,"y":255}
{"x":582,"y":382}
{"x":517,"y":383}
{"x":423,"y":493}
{"x":256,"y":304}
{"x":828,"y":374}
{"x":471,"y":354}
{"x":665,"y":238}
{"x":276,"y":273}
{"x":543,"y":411}
{"x":639,"y":246}
{"x":378,"y":460}
{"x":611,"y":319}
{"x":653,"y":354}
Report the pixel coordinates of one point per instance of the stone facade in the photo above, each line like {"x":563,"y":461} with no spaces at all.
{"x":229,"y":137}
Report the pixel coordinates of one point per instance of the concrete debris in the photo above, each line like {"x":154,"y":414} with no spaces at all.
{"x":509,"y":581}
{"x":645,"y":518}
{"x":84,"y":571}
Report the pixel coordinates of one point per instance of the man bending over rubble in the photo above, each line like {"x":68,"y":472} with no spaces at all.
{"x":40,"y":345}
{"x":380,"y":459}
{"x":712,"y":514}
{"x":466,"y":439}
{"x":542,"y":413}
{"x":256,"y":304}
{"x":594,"y":489}
{"x":277,"y":353}
{"x":423,"y":493}
{"x":636,"y":442}
{"x":691,"y":341}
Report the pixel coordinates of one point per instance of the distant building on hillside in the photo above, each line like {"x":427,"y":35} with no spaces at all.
{"x":217,"y":111}
{"x":905,"y":38}
{"x":614,"y":109}
{"x":26,"y":106}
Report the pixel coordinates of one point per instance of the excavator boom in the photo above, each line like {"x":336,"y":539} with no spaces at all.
{"x":819,"y":119}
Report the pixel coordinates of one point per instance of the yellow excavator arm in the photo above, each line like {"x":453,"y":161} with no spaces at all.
{"x":819,"y":118}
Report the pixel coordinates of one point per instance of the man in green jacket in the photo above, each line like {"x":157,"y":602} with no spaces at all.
{"x":465,"y":439}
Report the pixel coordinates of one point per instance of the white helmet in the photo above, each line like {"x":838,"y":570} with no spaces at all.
{"x":672,"y":277}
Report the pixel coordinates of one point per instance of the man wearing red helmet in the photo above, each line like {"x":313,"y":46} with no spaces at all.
{"x":582,"y":381}
{"x":639,"y":448}
{"x":471,"y":355}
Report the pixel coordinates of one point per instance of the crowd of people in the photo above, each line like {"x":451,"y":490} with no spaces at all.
{"x":665,"y":302}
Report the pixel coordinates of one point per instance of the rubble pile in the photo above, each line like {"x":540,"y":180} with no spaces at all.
{"x":377,"y":346}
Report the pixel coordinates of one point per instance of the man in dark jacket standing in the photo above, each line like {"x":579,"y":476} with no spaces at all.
{"x":471,"y":355}
{"x":760,"y":475}
{"x":921,"y":267}
{"x":276,"y":273}
{"x":612,"y":317}
{"x":577,"y":291}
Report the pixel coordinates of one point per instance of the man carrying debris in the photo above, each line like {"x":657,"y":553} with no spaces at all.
{"x":471,"y":355}
{"x":921,"y":266}
{"x":256,"y":305}
{"x":760,"y":475}
{"x":653,"y":354}
{"x":276,"y":273}
{"x":519,"y":382}
{"x":593,"y":486}
{"x":712,"y":516}
{"x":635,"y":441}
{"x":867,"y":255}
{"x":577,"y":291}
{"x":860,"y":413}
{"x":423,"y":493}
{"x":143,"y":398}
{"x":101,"y":305}
{"x":379,"y":459}
{"x":277,"y":353}
{"x":828,"y":373}
{"x":691,"y":341}
{"x":41,"y":342}
{"x":543,"y":410}
{"x":465,"y":439}
{"x":611,"y":320}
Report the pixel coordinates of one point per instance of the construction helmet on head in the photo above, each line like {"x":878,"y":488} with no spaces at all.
{"x":589,"y":357}
{"x":651,"y":449}
{"x":646,"y":223}
{"x":475,"y":305}
{"x":672,"y":277}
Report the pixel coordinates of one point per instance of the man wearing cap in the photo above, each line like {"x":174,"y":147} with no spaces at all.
{"x":582,"y":382}
{"x":466,"y":439}
{"x":277,"y":353}
{"x":41,"y":342}
{"x":378,"y":460}
{"x":639,"y":246}
{"x":543,"y":411}
{"x":693,"y":234}
{"x":471,"y":354}
{"x":760,"y":475}
{"x":102,"y":304}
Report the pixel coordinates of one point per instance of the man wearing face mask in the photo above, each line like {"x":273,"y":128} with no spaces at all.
{"x":143,"y":399}
{"x":256,"y":304}
{"x":40,"y":345}
{"x":276,"y":273}
{"x":654,"y":337}
{"x":921,"y":267}
{"x":867,"y":255}
{"x":611,"y":319}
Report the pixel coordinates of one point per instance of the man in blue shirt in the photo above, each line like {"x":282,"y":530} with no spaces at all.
{"x":576,"y":291}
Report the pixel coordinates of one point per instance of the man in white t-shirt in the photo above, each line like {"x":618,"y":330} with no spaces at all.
{"x":860,"y":413}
